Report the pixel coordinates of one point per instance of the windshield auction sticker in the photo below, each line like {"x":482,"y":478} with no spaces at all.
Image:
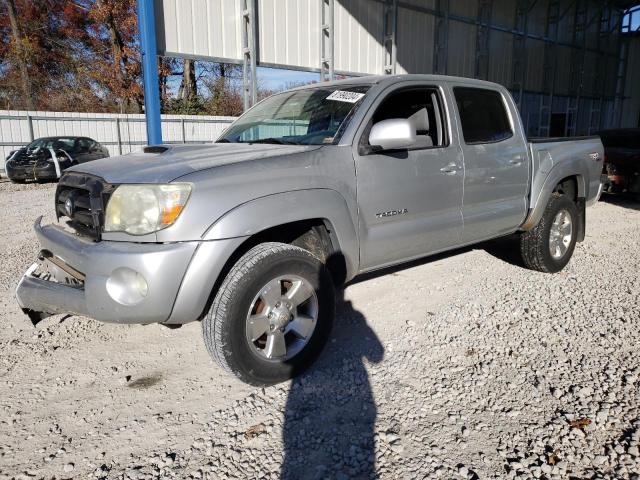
{"x":344,"y":96}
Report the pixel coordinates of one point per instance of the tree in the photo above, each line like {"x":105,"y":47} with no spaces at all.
{"x":107,"y":35}
{"x":84,"y":55}
{"x":224,"y":83}
{"x":19,"y":53}
{"x":34,"y":53}
{"x":189,"y":85}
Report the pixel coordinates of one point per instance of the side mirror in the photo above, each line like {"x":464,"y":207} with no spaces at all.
{"x":392,"y":134}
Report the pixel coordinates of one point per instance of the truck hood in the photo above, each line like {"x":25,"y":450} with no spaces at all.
{"x":174,"y":161}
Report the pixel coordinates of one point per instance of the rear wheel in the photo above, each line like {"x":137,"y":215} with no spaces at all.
{"x":548,"y":246}
{"x":272,"y":315}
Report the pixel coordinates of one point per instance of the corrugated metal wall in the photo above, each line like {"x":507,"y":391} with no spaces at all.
{"x":415,"y":41}
{"x":289,"y":32}
{"x":359,"y":27}
{"x":583,"y":55}
{"x":631,"y":108}
{"x":289,"y":35}
{"x":202,"y":28}
{"x":15,"y":129}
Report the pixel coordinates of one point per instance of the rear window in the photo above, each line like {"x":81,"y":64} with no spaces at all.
{"x":482,"y":114}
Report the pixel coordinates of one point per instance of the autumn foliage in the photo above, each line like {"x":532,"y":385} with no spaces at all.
{"x":69,"y":55}
{"x":84,"y":55}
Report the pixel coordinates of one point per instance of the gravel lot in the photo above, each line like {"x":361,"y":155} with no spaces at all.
{"x":461,"y":366}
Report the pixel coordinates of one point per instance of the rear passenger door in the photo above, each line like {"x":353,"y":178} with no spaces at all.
{"x":496,"y":163}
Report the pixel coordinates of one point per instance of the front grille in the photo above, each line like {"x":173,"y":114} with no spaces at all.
{"x":81,"y":198}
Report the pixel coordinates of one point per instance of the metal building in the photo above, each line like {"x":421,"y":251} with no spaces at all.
{"x":573,"y":66}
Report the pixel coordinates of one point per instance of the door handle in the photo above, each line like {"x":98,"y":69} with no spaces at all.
{"x":515,"y":162}
{"x":450,"y":169}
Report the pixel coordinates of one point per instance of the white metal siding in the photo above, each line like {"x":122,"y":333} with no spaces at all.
{"x":500,"y":55}
{"x":535,"y":61}
{"x":358,"y":28}
{"x":14,"y":128}
{"x":415,"y":41}
{"x":461,"y":58}
{"x":289,"y":32}
{"x":203,"y":28}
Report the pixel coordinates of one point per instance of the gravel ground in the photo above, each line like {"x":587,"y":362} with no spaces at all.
{"x":461,"y":366}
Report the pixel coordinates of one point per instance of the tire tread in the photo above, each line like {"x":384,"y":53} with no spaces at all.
{"x":532,"y":242}
{"x":212,"y":326}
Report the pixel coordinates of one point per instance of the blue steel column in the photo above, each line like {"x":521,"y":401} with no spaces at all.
{"x":147,"y":26}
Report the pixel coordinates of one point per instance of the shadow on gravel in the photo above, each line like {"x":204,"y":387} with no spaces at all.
{"x":330,"y":413}
{"x":506,"y":249}
{"x":621,"y":200}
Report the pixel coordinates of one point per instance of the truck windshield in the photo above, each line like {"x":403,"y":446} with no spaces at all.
{"x":313,"y":116}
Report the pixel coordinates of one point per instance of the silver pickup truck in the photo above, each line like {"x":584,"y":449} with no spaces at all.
{"x":309,"y":188}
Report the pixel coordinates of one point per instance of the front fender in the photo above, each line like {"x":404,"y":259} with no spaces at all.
{"x":281,"y":208}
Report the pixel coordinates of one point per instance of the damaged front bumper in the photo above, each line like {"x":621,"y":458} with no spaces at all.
{"x":122,"y":282}
{"x":37,"y":171}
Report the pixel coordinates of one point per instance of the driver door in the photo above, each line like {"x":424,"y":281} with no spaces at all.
{"x":410,"y":200}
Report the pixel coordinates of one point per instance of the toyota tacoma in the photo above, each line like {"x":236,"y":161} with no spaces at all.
{"x":309,"y":188}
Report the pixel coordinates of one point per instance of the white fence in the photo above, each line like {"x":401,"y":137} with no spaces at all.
{"x":120,"y":133}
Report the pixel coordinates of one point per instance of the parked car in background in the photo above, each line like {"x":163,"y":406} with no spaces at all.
{"x":622,"y":160}
{"x":46,"y":158}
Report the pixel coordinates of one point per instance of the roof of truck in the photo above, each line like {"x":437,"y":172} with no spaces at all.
{"x":388,"y":79}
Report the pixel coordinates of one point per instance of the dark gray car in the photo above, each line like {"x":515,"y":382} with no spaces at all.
{"x":46,"y":158}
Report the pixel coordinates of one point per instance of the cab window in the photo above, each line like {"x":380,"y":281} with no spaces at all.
{"x":483,"y":115}
{"x":422,"y":107}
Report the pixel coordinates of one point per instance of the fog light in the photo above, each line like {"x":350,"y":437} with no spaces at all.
{"x":126,"y":286}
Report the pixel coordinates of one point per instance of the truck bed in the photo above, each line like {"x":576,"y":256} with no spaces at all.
{"x":553,"y":159}
{"x":560,"y":139}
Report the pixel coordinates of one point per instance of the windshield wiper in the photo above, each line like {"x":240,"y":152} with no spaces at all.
{"x":276,"y":141}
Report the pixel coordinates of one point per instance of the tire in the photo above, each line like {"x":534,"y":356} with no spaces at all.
{"x":536,"y":244}
{"x":251,"y":288}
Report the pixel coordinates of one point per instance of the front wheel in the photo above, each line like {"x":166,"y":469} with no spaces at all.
{"x":548,"y":246}
{"x":272,"y":315}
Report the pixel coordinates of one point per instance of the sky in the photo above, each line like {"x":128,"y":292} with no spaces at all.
{"x":635,"y":19}
{"x":268,"y":78}
{"x":277,"y":78}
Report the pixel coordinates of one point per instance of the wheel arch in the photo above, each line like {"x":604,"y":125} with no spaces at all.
{"x":284,"y":213}
{"x":564,"y":178}
{"x":317,"y":220}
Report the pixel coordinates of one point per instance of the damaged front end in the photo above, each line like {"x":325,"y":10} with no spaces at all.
{"x":45,"y":282}
{"x":37,"y":165}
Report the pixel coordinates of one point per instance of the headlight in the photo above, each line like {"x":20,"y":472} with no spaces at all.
{"x":141,"y":209}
